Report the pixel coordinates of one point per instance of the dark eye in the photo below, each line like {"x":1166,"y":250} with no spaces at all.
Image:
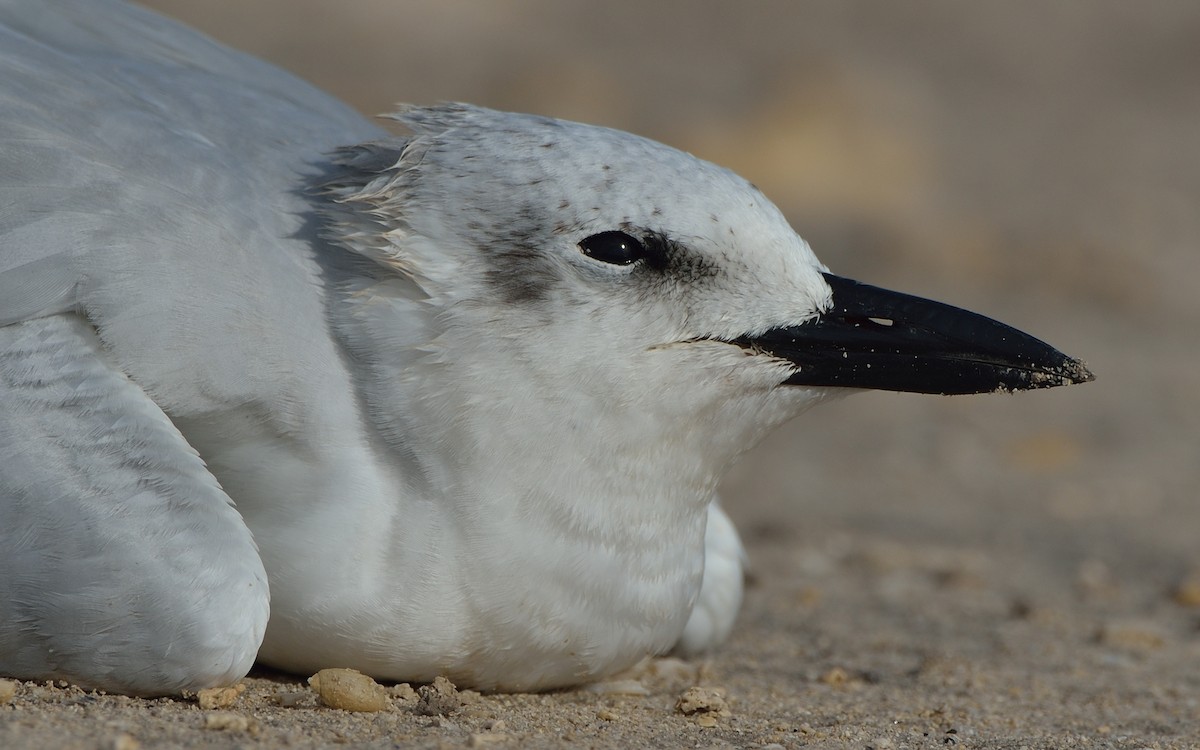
{"x":617,"y":248}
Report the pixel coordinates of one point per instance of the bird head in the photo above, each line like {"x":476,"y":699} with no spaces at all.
{"x":603,"y":273}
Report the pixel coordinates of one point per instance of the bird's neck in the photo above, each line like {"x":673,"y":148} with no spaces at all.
{"x":509,"y":559}
{"x":476,"y":508}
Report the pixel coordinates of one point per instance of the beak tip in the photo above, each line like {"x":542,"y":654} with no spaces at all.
{"x":1070,"y":372}
{"x":1077,"y":372}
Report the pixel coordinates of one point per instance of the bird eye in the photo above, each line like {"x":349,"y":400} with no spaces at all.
{"x":617,"y":248}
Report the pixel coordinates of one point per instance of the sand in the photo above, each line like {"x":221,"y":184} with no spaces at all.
{"x":986,"y":572}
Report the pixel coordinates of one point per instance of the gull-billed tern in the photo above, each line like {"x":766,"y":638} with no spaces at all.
{"x":275,"y":384}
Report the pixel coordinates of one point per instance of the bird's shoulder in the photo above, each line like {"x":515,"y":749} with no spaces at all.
{"x":128,"y":137}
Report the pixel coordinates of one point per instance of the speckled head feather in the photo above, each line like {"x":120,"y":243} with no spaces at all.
{"x":478,"y":195}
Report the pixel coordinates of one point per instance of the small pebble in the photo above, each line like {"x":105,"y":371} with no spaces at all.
{"x":704,"y":704}
{"x":289,"y":698}
{"x":440,"y":698}
{"x":836,"y":676}
{"x":403,"y":692}
{"x":125,"y":741}
{"x":227,"y":721}
{"x":220,"y":697}
{"x":8,"y":691}
{"x":349,"y":690}
{"x":708,"y":721}
{"x":467,"y":696}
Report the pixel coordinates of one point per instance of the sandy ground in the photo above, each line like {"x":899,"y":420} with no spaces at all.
{"x":988,"y":572}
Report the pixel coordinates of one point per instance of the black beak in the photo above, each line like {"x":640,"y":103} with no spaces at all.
{"x":876,"y":338}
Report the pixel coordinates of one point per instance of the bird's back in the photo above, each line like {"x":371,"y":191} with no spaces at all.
{"x":137,"y":156}
{"x":163,"y":294}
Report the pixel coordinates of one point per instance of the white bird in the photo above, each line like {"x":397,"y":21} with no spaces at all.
{"x":275,"y":384}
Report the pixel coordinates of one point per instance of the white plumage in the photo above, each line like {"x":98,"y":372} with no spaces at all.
{"x":391,"y":407}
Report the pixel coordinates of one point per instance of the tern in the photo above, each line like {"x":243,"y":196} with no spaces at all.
{"x":276,"y":384}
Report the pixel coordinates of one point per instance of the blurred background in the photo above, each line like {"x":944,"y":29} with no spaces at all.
{"x":1038,"y":162}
